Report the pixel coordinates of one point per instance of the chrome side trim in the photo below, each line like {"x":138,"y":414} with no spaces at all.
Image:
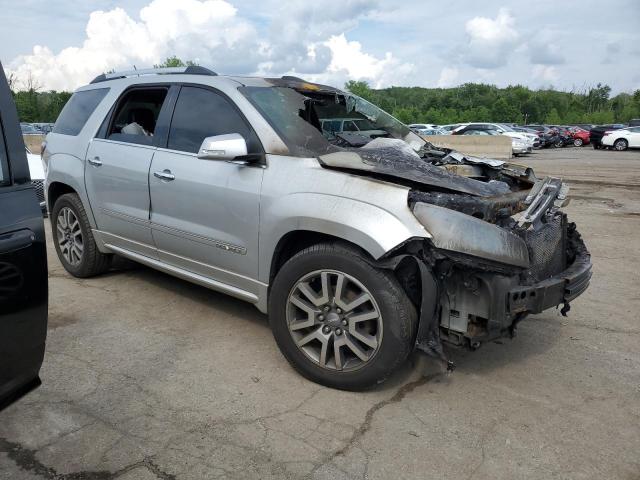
{"x":123,"y":216}
{"x":185,"y":274}
{"x":229,"y":247}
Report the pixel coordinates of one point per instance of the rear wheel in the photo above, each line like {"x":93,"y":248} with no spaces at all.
{"x":338,"y":320}
{"x":620,"y":144}
{"x":73,"y":239}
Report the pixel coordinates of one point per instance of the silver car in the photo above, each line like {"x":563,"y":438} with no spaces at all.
{"x":360,"y":250}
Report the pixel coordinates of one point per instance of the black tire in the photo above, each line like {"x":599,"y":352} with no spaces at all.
{"x":578,"y":142}
{"x":92,"y":262}
{"x":399,"y":316}
{"x":620,"y":145}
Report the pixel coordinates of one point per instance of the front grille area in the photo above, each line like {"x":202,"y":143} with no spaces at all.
{"x":38,"y":186}
{"x":546,"y":245}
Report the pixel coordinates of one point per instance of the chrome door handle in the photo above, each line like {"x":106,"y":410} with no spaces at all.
{"x":95,"y":161}
{"x":164,"y":175}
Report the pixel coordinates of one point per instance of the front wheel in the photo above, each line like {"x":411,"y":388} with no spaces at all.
{"x":338,"y":320}
{"x":620,"y":144}
{"x":578,"y":142}
{"x":73,"y":238}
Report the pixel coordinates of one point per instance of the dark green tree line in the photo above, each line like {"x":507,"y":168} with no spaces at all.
{"x":513,"y":104}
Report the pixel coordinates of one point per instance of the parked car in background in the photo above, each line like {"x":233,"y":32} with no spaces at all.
{"x":533,"y":134}
{"x":23,"y":263}
{"x":36,"y":171}
{"x":356,"y":253}
{"x":430,"y":131}
{"x":580,"y":136}
{"x":422,"y":126}
{"x":43,"y":127}
{"x":527,"y":138}
{"x":28,"y":129}
{"x":520,"y":143}
{"x":596,"y":134}
{"x":359,"y":126}
{"x":450,"y":127}
{"x":622,"y":138}
{"x":634,"y":122}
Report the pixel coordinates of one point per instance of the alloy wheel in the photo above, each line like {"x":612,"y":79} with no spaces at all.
{"x":334,"y":320}
{"x":620,"y":145}
{"x":69,"y":235}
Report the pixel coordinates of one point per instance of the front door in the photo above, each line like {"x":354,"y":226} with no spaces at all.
{"x":23,"y":263}
{"x":117,"y":170}
{"x":205,"y":213}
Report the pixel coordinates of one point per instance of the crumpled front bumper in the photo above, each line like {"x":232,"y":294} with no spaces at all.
{"x":559,"y":289}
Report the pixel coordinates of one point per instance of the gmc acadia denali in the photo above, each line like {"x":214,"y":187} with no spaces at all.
{"x":360,"y":245}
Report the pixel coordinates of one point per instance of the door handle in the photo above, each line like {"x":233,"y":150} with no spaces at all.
{"x":164,"y":175}
{"x":95,"y":161}
{"x":16,"y":240}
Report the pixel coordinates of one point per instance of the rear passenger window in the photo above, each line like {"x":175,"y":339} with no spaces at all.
{"x":136,"y":116}
{"x":202,"y":113}
{"x":78,"y":110}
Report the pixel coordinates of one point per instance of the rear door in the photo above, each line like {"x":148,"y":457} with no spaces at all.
{"x":23,"y":263}
{"x":117,"y":168}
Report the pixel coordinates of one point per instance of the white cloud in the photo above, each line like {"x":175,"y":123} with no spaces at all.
{"x":448,"y":76}
{"x":351,"y":62}
{"x":490,"y":41}
{"x":208,"y":31}
{"x":309,"y":41}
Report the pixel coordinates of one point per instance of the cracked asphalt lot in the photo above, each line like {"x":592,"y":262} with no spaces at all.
{"x":149,"y":377}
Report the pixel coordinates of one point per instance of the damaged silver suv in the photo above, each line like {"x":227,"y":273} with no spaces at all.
{"x":361,"y":245}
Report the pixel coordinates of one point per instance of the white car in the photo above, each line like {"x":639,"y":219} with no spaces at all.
{"x":622,"y":139}
{"x":36,"y":170}
{"x":422,"y":126}
{"x":527,"y":138}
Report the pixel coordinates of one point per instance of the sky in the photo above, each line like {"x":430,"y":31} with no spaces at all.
{"x":571,"y":46}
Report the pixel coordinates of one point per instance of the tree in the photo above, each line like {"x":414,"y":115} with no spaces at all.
{"x":360,"y":88}
{"x":174,"y":61}
{"x":553,"y":118}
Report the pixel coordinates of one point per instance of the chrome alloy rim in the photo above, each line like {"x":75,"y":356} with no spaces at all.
{"x":334,"y":320}
{"x":69,"y":236}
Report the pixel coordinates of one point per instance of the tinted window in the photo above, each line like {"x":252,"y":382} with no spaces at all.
{"x":78,"y":110}
{"x":201,"y":113}
{"x":136,"y":116}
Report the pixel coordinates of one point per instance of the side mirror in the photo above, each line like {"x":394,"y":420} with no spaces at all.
{"x":223,"y":147}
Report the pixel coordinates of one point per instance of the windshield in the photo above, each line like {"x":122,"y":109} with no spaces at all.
{"x":506,"y":128}
{"x":313,"y":123}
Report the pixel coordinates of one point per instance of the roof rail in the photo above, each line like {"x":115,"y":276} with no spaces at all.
{"x":190,"y":70}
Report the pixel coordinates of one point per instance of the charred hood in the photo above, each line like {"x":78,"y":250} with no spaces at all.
{"x":431,"y":169}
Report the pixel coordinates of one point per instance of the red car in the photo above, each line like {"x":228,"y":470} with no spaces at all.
{"x":580,"y":136}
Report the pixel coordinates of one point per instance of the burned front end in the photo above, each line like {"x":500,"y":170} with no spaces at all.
{"x":500,"y":246}
{"x":492,"y":272}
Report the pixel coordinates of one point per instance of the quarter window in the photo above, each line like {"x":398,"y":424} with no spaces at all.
{"x":77,"y":111}
{"x":202,"y":113}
